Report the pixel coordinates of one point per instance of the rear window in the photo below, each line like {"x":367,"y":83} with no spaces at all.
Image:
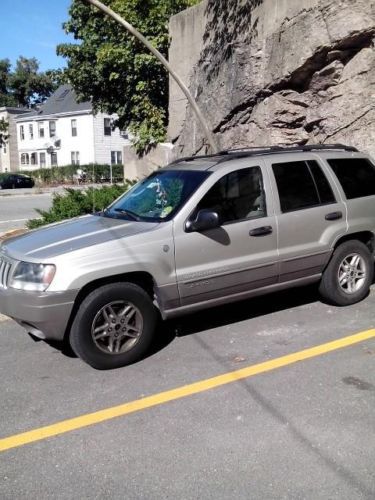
{"x":356,"y":176}
{"x":301,"y":184}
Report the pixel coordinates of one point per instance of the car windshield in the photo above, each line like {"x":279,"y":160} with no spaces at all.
{"x":158,"y":197}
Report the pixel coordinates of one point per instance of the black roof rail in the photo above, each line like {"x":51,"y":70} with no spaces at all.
{"x":198,"y":157}
{"x":305,"y":147}
{"x":246,"y":152}
{"x":229,"y":154}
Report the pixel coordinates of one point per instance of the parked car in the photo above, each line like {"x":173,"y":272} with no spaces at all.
{"x":201,"y":232}
{"x":13,"y":181}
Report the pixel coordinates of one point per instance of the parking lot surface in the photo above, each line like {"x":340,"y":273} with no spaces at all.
{"x":304,"y":430}
{"x":16,"y":209}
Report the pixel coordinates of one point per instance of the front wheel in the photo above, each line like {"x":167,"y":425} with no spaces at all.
{"x":114,"y":326}
{"x":348,"y":276}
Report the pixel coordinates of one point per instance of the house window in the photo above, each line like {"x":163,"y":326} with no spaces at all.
{"x":25,"y":159}
{"x":107,"y":126}
{"x":53,"y":159}
{"x":75,"y":157}
{"x":116,"y":157}
{"x":52,"y":129}
{"x":41,"y":129}
{"x":42,"y":160}
{"x":5,"y":149}
{"x":31,"y":131}
{"x":34,"y":159}
{"x":74,"y":128}
{"x":22,"y":133}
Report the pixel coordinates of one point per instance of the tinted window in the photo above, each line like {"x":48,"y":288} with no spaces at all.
{"x":236,"y":196}
{"x":324,"y":189}
{"x":301,"y":185}
{"x":356,"y":175}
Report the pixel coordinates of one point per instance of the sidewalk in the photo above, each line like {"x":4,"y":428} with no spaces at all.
{"x":45,"y":190}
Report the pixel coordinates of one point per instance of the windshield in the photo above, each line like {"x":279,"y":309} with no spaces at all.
{"x":158,"y":197}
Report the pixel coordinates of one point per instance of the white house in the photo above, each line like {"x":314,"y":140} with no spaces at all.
{"x":64,"y":132}
{"x":9,"y":151}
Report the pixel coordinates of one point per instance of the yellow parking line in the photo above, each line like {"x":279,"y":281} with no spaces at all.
{"x":180,"y":392}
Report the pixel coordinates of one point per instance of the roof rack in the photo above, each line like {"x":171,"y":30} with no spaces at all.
{"x":306,"y":147}
{"x":229,"y":154}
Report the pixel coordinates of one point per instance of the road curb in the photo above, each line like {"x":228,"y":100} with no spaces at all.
{"x":12,"y":232}
{"x":47,"y":190}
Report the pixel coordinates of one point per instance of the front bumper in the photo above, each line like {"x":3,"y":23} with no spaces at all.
{"x":45,"y":315}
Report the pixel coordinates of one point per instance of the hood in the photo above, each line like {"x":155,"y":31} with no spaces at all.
{"x":72,"y":235}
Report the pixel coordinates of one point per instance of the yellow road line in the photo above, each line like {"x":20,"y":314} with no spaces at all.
{"x":180,"y":392}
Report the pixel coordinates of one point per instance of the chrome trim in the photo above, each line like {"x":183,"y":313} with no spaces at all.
{"x":5,"y":269}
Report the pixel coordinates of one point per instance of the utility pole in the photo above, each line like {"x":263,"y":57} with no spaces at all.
{"x":165,"y":63}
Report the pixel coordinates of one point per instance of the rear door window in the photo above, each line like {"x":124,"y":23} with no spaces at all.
{"x":301,"y":184}
{"x":356,"y":176}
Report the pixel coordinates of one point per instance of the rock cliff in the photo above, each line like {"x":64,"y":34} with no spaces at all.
{"x":269,"y":72}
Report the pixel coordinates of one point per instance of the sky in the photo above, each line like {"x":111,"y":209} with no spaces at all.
{"x":33,"y":28}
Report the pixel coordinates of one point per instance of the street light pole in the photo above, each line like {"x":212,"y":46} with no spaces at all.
{"x":165,"y":63}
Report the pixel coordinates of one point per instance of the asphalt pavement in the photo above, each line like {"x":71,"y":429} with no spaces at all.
{"x":247,"y":401}
{"x":302,"y":430}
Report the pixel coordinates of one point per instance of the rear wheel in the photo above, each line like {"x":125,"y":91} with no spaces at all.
{"x":348,"y":276}
{"x":114,"y":326}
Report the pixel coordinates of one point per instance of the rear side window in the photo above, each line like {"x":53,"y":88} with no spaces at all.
{"x":301,"y":184}
{"x":356,"y":176}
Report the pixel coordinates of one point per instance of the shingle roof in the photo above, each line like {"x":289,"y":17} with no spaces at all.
{"x":63,"y":100}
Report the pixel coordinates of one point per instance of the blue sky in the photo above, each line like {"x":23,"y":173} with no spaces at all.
{"x":33,"y":28}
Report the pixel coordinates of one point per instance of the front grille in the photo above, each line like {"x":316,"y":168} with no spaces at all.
{"x":5,"y":267}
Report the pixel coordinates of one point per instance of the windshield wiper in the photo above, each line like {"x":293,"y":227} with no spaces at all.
{"x":129,"y":213}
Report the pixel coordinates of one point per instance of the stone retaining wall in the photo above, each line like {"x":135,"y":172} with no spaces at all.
{"x":276,"y":72}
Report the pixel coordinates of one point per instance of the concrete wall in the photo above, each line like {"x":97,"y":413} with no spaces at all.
{"x":136,"y":168}
{"x":186,"y":31}
{"x":277,"y":72}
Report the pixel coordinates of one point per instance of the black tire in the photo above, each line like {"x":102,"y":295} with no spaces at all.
{"x":99,"y":312}
{"x":341,"y":284}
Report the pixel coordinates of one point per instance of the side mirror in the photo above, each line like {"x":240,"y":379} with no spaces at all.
{"x":205,"y":219}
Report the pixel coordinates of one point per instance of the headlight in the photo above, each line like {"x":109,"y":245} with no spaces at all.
{"x":29,"y":276}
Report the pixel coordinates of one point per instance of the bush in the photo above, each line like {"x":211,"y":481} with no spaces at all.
{"x":94,"y":173}
{"x":75,"y":202}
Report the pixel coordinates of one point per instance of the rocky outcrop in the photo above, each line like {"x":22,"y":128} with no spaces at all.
{"x":282,"y":72}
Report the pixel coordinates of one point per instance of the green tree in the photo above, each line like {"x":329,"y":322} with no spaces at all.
{"x":116,"y":71}
{"x":6,"y":98}
{"x":3,"y":132}
{"x":26,"y":86}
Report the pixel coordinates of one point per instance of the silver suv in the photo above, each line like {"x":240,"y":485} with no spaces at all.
{"x":199,"y":233}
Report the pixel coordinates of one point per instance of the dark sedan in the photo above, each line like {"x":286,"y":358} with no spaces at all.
{"x":12,"y":181}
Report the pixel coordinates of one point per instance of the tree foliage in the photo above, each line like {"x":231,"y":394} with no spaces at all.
{"x":76,"y":202}
{"x":3,"y":132}
{"x":116,"y":71}
{"x":26,"y":86}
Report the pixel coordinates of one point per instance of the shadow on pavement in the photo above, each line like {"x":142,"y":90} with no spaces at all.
{"x":217,"y":317}
{"x":244,"y":310}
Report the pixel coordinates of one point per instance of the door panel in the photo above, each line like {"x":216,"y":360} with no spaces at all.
{"x":229,"y":260}
{"x":225,"y":261}
{"x":314,"y":217}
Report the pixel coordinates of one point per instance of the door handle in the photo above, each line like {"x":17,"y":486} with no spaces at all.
{"x":261,"y":231}
{"x":333,"y":216}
